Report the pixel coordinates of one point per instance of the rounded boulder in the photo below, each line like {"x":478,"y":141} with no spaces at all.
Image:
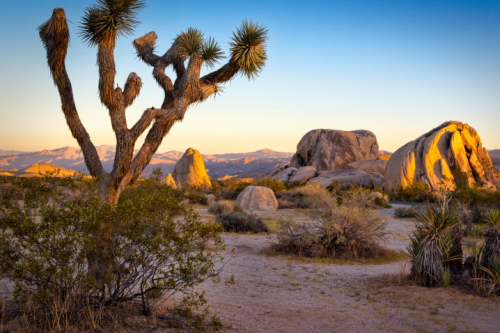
{"x":257,"y":198}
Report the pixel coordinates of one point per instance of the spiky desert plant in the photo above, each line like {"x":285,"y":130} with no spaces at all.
{"x":491,"y":252}
{"x":101,"y":25}
{"x":432,"y":244}
{"x":248,"y":48}
{"x":473,"y":196}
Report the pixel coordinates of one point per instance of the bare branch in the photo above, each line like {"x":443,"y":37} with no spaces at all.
{"x":132,"y":88}
{"x":55,"y":37}
{"x":145,"y":47}
{"x":147,"y":118}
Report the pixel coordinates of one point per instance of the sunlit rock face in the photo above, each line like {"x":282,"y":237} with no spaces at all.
{"x":190,"y":170}
{"x":438,"y":156}
{"x":327,"y":149}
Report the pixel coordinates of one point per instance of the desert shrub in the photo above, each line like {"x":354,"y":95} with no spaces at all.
{"x":293,"y":198}
{"x":285,"y":203}
{"x":433,"y":244}
{"x":416,"y":192}
{"x":405,"y":212}
{"x":195,"y":197}
{"x":84,"y":254}
{"x":241,"y":222}
{"x":274,"y":185}
{"x":238,"y":208}
{"x":219,"y":207}
{"x":229,"y":189}
{"x":348,"y":231}
{"x":381,"y":202}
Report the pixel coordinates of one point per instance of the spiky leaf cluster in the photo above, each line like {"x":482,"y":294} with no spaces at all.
{"x":212,"y":52}
{"x":192,"y":42}
{"x":103,"y":22}
{"x":248,"y":48}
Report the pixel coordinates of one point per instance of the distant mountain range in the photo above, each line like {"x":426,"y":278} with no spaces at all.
{"x":10,"y":152}
{"x":70,"y":160}
{"x":218,"y":165}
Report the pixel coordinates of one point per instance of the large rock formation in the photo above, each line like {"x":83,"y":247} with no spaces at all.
{"x":190,"y":170}
{"x":438,"y":156}
{"x":346,"y":178}
{"x":369,"y":165}
{"x":326,"y":149}
{"x":255,"y":198}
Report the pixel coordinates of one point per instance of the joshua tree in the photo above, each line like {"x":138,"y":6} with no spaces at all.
{"x":102,"y":24}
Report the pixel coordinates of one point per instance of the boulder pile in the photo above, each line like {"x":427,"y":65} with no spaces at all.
{"x":438,"y":157}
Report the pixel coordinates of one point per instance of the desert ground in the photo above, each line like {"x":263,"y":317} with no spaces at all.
{"x":285,"y":294}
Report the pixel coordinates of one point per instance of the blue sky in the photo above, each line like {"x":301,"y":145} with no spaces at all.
{"x":397,"y":68}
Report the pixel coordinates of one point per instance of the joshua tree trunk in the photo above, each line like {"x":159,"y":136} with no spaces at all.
{"x":248,"y":55}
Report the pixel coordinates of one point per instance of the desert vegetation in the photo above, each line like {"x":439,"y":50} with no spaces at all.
{"x":343,"y":226}
{"x":75,"y":260}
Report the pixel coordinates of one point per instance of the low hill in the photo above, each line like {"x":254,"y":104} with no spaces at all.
{"x":46,"y":169}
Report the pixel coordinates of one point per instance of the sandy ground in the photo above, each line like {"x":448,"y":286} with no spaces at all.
{"x":279,"y":294}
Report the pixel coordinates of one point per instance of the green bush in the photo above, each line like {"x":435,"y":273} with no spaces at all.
{"x":224,"y":206}
{"x":241,"y":222}
{"x":405,"y":212}
{"x":229,"y":189}
{"x":347,"y":231}
{"x":416,"y":192}
{"x":274,"y":185}
{"x":64,"y":245}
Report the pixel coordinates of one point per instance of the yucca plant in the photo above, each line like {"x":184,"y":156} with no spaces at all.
{"x":492,"y":275}
{"x":491,"y":252}
{"x":432,"y":245}
{"x":101,"y":25}
{"x":473,"y":196}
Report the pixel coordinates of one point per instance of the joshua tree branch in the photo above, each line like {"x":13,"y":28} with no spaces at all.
{"x":132,"y":89}
{"x":146,"y":119}
{"x":223,"y":74}
{"x":55,"y":37}
{"x":107,"y":72}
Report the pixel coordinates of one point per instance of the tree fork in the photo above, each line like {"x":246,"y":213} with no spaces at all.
{"x":101,"y":25}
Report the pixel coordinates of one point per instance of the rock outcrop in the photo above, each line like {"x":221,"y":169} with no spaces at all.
{"x":169,"y":180}
{"x":436,"y":157}
{"x":303,"y":175}
{"x":257,"y":198}
{"x":326,"y":149}
{"x":369,"y":165}
{"x":190,"y":170}
{"x":348,"y":177}
{"x":284,"y":176}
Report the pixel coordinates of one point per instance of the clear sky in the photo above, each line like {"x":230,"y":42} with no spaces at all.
{"x":397,"y":68}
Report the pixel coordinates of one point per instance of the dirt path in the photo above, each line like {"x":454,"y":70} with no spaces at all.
{"x":276,"y":294}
